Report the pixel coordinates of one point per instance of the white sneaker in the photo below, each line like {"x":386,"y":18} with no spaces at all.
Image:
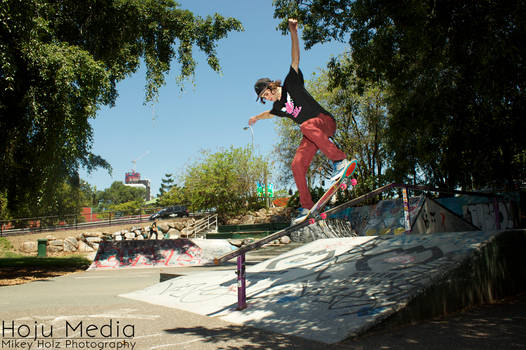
{"x":302,"y":213}
{"x":338,"y":169}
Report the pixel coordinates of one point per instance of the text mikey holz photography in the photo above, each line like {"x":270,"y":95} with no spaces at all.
{"x":111,"y":334}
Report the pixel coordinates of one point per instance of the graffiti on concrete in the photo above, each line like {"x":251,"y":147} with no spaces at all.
{"x":157,"y":253}
{"x":483,"y":215}
{"x":326,"y":290}
{"x":384,"y":218}
{"x":480,"y":211}
{"x":435,"y":218}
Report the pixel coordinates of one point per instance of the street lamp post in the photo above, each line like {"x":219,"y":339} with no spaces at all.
{"x":252,"y":132}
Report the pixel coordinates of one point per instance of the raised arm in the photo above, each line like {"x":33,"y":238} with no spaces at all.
{"x":263,"y":115}
{"x":293,"y":28}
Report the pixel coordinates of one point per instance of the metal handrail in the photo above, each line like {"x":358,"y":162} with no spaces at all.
{"x":201,"y":225}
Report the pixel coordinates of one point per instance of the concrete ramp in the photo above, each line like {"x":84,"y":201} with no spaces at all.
{"x":331,"y":289}
{"x":158,"y":253}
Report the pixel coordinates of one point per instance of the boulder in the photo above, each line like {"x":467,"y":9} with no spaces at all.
{"x":284,"y":240}
{"x":84,"y":247}
{"x":164,"y":228}
{"x":248,"y":220}
{"x":29,"y":247}
{"x":70,"y":244}
{"x":92,"y":234}
{"x":179,"y":226}
{"x":184,"y":233}
{"x":174,"y":234}
{"x":236,"y":242}
{"x":262,"y":213}
{"x":55,"y":248}
{"x":56,"y":243}
{"x":93,"y":240}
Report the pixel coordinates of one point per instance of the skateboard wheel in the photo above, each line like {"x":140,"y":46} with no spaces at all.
{"x":312,"y":221}
{"x":354,"y":182}
{"x":343,"y":186}
{"x":323,"y":216}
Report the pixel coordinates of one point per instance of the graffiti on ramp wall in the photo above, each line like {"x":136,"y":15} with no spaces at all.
{"x":158,"y":253}
{"x":384,"y":218}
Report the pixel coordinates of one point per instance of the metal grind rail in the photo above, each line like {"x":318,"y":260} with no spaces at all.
{"x":240,"y":253}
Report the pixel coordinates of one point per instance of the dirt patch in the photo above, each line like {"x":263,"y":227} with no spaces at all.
{"x":10,"y":276}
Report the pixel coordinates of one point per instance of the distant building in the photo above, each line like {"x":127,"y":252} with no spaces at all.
{"x":133,"y":179}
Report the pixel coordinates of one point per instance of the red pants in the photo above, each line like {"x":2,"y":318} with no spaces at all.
{"x":316,"y":133}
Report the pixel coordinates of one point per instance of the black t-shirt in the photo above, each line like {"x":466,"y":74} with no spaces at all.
{"x":296,"y":103}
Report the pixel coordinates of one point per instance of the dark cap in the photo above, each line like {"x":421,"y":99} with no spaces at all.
{"x":261,"y":85}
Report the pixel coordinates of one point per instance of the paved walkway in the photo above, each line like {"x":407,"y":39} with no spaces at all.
{"x":91,"y":298}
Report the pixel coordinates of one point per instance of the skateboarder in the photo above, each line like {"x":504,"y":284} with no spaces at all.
{"x":292,"y":100}
{"x":154,"y":230}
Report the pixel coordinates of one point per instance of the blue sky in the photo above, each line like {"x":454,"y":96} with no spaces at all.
{"x":212,"y":111}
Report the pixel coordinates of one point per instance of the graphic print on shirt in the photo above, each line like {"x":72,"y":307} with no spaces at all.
{"x":290,"y":108}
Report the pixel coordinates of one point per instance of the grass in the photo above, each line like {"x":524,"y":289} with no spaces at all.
{"x":8,"y":258}
{"x":6,"y":249}
{"x":48,"y":263}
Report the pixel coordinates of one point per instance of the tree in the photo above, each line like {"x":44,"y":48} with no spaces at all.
{"x":455,"y":73}
{"x":225,"y":180}
{"x":69,"y":197}
{"x":167,"y":182}
{"x":175,"y":195}
{"x":119,"y":193}
{"x":60,"y":61}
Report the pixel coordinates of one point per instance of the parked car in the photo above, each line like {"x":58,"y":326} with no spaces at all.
{"x":177,"y":210}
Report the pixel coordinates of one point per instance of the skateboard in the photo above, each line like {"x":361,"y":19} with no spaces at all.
{"x":340,"y":183}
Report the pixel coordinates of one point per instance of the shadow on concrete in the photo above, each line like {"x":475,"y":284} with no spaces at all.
{"x":501,"y":325}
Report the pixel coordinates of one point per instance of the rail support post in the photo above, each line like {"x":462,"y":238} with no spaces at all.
{"x":241,"y":283}
{"x":406,"y":210}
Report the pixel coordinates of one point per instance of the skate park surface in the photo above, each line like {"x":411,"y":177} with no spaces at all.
{"x":332,"y":289}
{"x":393,"y":291}
{"x":94,"y":297}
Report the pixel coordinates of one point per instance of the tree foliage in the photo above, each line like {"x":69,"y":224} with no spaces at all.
{"x":167,"y":182}
{"x":119,"y":193}
{"x":174,"y":196}
{"x":61,"y":60}
{"x":455,"y":74}
{"x":225,"y":180}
